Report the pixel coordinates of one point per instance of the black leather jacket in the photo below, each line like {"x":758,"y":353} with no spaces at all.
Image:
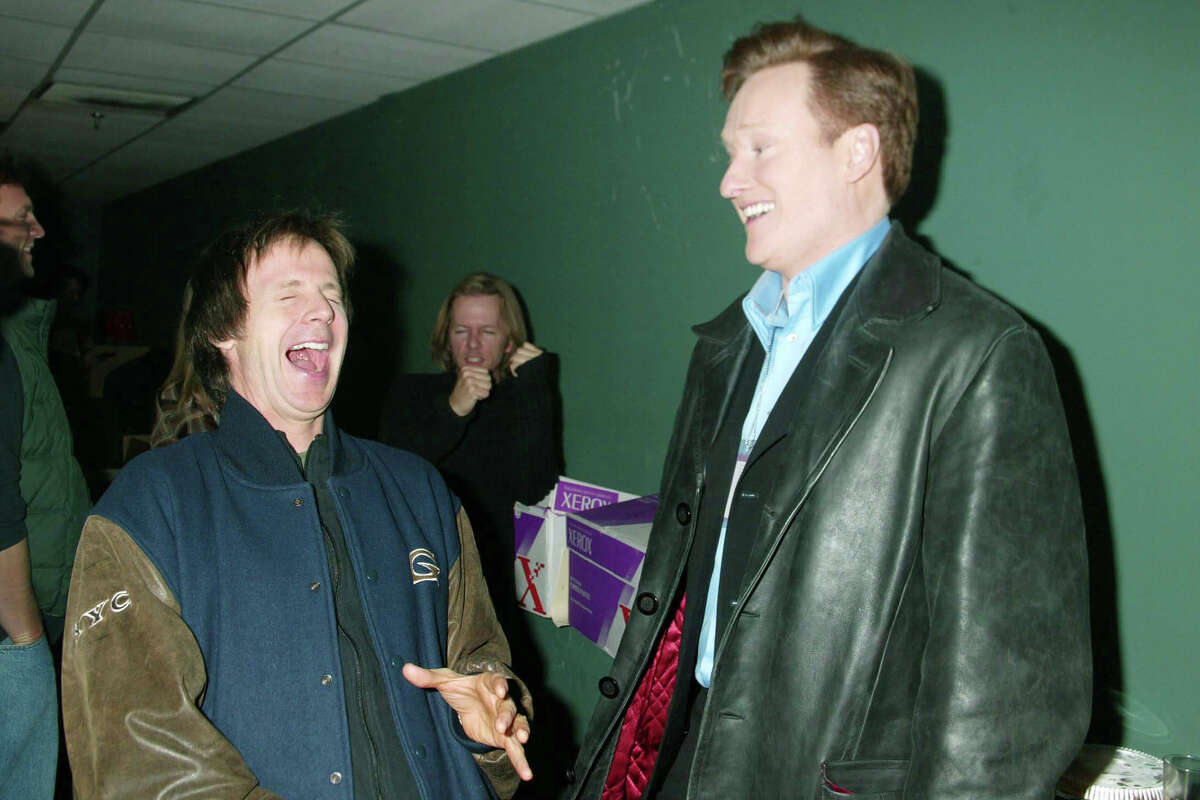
{"x":914,"y":609}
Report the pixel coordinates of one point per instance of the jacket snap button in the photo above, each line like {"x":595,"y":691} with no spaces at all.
{"x":335,"y":778}
{"x":326,"y":680}
{"x":647,"y":603}
{"x":609,"y":687}
{"x":299,"y":501}
{"x":683,"y":513}
{"x":315,"y":586}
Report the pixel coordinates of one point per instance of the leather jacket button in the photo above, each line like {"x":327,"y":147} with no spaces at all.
{"x":647,"y":603}
{"x":327,"y":680}
{"x":683,"y":513}
{"x":299,"y":501}
{"x":569,"y":774}
{"x":335,"y":778}
{"x":316,"y":585}
{"x":609,"y":687}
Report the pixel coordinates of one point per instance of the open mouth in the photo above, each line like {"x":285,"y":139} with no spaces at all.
{"x":755,"y":210}
{"x":311,"y":357}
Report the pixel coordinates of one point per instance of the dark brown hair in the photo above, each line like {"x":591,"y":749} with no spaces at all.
{"x":851,"y":85}
{"x":218,"y":283}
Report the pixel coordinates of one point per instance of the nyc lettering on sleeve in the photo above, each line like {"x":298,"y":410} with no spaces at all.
{"x":119,"y":602}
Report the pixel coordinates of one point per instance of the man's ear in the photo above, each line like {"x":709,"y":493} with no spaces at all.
{"x":862,"y":151}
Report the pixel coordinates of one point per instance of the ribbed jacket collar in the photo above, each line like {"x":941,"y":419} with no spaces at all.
{"x":261,"y":454}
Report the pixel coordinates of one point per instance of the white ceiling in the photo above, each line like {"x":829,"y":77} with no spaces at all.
{"x":258,"y":69}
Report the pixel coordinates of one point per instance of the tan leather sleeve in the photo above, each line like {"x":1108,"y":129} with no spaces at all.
{"x":133,"y":680}
{"x":476,"y":643}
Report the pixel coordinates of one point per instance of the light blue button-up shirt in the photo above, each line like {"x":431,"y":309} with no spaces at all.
{"x":786,"y":325}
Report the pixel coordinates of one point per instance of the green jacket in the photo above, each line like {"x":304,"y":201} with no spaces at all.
{"x":52,"y":485}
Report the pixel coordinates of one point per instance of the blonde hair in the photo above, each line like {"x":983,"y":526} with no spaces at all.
{"x":183,"y":371}
{"x":479,"y":284}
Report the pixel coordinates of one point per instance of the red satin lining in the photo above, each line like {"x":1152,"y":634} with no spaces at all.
{"x":642,"y":729}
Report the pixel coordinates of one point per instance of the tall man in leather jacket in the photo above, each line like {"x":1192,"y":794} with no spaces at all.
{"x":249,"y":605}
{"x":867,"y":574}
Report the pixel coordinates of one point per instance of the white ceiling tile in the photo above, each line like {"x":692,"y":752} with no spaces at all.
{"x":18,"y":72}
{"x":196,"y":25}
{"x":145,"y":83}
{"x":386,"y":54}
{"x":495,"y":25}
{"x":315,"y":80}
{"x":600,"y":7}
{"x":222,"y":131}
{"x":66,"y":135}
{"x":57,"y":12}
{"x":164,"y":157}
{"x":289,"y":110}
{"x":304,"y":9}
{"x":33,"y":41}
{"x":156,"y":59}
{"x":194,"y":47}
{"x":72,"y":125}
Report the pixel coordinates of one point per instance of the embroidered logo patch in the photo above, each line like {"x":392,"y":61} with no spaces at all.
{"x":95,"y":615}
{"x":423,"y":565}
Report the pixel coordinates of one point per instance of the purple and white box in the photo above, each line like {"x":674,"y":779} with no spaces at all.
{"x":606,"y":547}
{"x":541,"y":544}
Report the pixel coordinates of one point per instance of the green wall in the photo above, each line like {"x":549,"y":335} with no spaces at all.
{"x":1057,"y":168}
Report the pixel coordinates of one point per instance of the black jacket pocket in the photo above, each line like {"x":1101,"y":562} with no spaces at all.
{"x":875,"y":779}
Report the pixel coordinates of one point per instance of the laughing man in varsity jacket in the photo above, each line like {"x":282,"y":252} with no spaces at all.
{"x":249,"y":606}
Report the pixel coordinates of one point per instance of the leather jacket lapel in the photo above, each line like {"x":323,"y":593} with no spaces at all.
{"x":823,"y":413}
{"x":730,"y":337}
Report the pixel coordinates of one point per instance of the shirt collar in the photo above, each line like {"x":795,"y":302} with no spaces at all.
{"x":813,"y":293}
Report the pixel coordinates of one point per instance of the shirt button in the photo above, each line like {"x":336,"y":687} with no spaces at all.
{"x":326,"y":680}
{"x":335,"y":778}
{"x":372,"y":575}
{"x":395,"y":661}
{"x":683,"y":513}
{"x":315,"y":586}
{"x":791,"y":337}
{"x":344,"y":493}
{"x":299,"y":501}
{"x":419,"y":751}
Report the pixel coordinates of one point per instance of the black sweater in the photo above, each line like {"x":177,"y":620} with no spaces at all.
{"x":502,"y":452}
